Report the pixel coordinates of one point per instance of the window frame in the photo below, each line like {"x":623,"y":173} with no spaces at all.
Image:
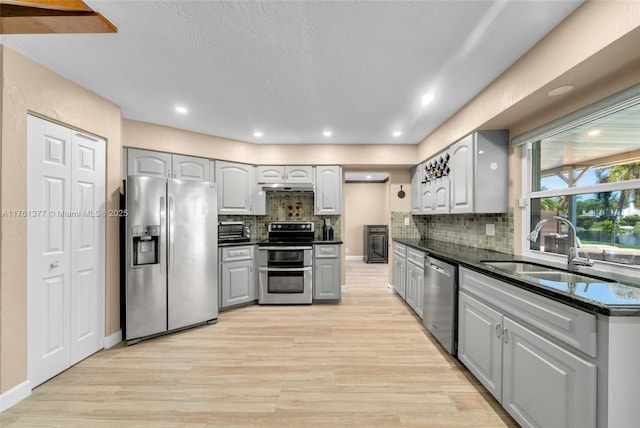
{"x":528,"y":194}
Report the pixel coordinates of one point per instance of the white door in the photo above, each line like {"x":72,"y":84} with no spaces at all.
{"x":87,"y":245}
{"x":65,"y":250}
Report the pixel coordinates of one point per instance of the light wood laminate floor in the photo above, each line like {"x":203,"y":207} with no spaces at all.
{"x":365,"y":362}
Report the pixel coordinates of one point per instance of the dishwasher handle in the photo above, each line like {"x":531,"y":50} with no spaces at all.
{"x":440,"y":270}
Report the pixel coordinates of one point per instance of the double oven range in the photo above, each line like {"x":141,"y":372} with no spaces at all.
{"x":285,"y":264}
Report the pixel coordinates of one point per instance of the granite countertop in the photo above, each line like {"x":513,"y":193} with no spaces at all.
{"x":618,"y":298}
{"x":238,"y":243}
{"x":255,"y":242}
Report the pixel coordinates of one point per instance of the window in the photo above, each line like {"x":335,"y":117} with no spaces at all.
{"x":589,"y":173}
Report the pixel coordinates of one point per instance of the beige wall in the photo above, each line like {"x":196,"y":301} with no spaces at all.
{"x":31,"y":88}
{"x":365,"y":203}
{"x":156,"y":137}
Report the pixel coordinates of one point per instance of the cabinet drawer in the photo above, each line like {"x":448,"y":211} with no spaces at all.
{"x":572,"y":326}
{"x":400,"y":250}
{"x":327,"y":251}
{"x":415,"y":256}
{"x":237,"y":253}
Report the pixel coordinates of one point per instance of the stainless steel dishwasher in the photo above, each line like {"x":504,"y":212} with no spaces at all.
{"x":440,"y":304}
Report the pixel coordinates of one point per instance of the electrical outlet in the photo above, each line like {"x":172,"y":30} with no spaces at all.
{"x":406,"y":221}
{"x":490,"y":229}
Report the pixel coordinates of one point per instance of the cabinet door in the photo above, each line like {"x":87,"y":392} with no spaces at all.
{"x":416,"y":189}
{"x":410,"y":291}
{"x":328,"y":194}
{"x":235,"y":183}
{"x":148,"y":163}
{"x":377,"y":248}
{"x":190,"y":168}
{"x":298,"y":174}
{"x":327,"y":272}
{"x":545,"y":385}
{"x":238,"y":283}
{"x":270,"y":174}
{"x":462,"y":174}
{"x":441,"y":197}
{"x":327,"y":279}
{"x":480,"y":342}
{"x":427,"y":199}
{"x":419,"y":291}
{"x":399,"y":272}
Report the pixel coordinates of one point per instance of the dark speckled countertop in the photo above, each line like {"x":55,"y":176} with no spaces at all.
{"x":236,"y":244}
{"x":618,"y":298}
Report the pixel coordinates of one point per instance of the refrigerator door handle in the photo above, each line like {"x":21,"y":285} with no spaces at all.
{"x":163,"y":219}
{"x":170,"y":233}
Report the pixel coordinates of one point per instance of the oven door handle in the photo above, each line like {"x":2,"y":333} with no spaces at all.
{"x":268,"y":269}
{"x":285,"y":248}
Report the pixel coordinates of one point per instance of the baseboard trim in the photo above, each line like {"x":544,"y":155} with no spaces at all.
{"x":15,"y":395}
{"x":112,"y":340}
{"x":354,"y":257}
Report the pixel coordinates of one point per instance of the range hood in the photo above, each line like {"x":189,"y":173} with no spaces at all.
{"x":288,"y":187}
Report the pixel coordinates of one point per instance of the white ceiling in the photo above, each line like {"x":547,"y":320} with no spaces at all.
{"x":293,"y":69}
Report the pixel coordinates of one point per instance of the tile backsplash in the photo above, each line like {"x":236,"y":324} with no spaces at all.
{"x":463,"y":229}
{"x":287,"y":207}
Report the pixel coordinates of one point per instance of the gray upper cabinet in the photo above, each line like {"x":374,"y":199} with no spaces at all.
{"x":190,"y":168}
{"x":328,"y":193}
{"x":167,"y":165}
{"x":298,"y":174}
{"x":471,"y":176}
{"x":480,"y":173}
{"x":416,"y":189}
{"x":236,"y":186}
{"x":270,"y":174}
{"x":148,"y":163}
{"x":284,"y":174}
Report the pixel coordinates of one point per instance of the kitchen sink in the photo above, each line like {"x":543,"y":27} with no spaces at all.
{"x":543,"y":273}
{"x":518,"y":267}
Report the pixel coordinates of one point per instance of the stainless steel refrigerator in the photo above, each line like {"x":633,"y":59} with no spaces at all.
{"x":171,"y":256}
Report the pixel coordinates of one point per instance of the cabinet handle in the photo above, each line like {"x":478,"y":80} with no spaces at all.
{"x":54,"y":265}
{"x":498,"y":330}
{"x":505,"y":335}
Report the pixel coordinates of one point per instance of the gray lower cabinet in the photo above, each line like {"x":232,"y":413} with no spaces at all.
{"x":512,"y":347}
{"x":415,"y":280}
{"x":238,"y":280}
{"x":327,"y":272}
{"x":400,"y":269}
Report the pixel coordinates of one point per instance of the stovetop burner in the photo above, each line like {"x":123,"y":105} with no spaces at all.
{"x":290,"y":233}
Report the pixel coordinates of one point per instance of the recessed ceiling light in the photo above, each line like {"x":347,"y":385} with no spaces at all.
{"x":594,"y":133}
{"x":368,"y":177}
{"x":257,"y":134}
{"x":327,"y":133}
{"x":397,"y":133}
{"x":560,"y":90}
{"x":181,"y":109}
{"x":427,"y":98}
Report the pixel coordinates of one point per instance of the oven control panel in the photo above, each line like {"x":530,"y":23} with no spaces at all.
{"x":294,"y":226}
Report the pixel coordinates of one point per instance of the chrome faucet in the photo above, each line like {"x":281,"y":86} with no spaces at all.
{"x":573,"y":259}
